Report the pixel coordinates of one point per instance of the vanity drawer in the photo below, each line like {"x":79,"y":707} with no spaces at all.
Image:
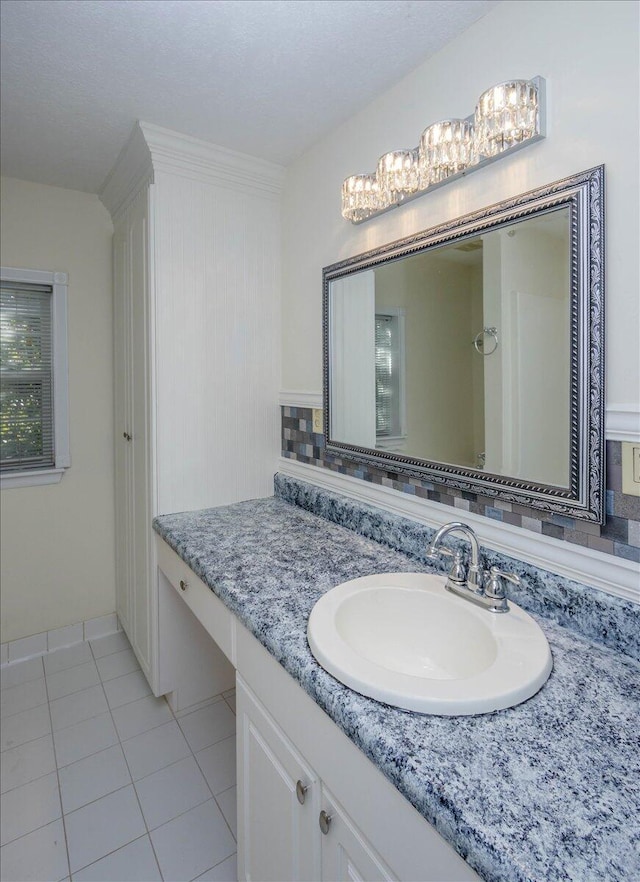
{"x":210,"y":611}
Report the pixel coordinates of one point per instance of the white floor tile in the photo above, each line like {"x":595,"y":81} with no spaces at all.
{"x":218,"y":764}
{"x":185,"y":711}
{"x":72,"y":680}
{"x":169,"y":792}
{"x":207,"y":726}
{"x":21,"y":672}
{"x":26,"y":763}
{"x":77,"y":707}
{"x":23,"y":697}
{"x":93,"y":777}
{"x":140,"y":716}
{"x":101,"y":827}
{"x":25,"y":726}
{"x":135,"y":862}
{"x":62,"y":659}
{"x":228,"y":802}
{"x":83,"y":739}
{"x":108,"y":645}
{"x":40,"y":856}
{"x":227,"y":871}
{"x":197,"y":840}
{"x":155,"y":749}
{"x":124,"y":690}
{"x":117,"y":665}
{"x":29,"y":807}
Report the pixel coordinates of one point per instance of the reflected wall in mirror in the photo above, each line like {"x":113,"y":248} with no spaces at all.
{"x":472,"y":354}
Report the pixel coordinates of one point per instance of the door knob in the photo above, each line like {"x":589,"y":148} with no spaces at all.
{"x":325,"y":821}
{"x":301,"y":792}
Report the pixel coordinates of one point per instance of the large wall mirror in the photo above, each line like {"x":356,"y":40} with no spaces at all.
{"x":471,"y":354}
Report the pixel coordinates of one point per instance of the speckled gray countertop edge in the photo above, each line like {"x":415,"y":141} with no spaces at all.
{"x":269,"y":562}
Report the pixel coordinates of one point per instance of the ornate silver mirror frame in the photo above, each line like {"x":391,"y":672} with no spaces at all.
{"x":583,"y":498}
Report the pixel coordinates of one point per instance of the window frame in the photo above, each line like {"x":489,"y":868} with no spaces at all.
{"x":62,"y":456}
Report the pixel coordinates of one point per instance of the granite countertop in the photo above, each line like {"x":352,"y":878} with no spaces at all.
{"x":547,"y":790}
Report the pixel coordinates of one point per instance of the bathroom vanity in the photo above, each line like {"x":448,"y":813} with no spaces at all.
{"x":333,"y":785}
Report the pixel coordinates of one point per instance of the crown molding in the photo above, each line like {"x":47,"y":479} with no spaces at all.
{"x":613,"y":575}
{"x":174,"y":153}
{"x":152,"y":149}
{"x":132,"y":171}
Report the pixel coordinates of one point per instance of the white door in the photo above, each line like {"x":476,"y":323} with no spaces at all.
{"x":346,"y":855}
{"x":136,"y":599}
{"x":278,"y":837}
{"x":122,"y":396}
{"x":352,"y":360}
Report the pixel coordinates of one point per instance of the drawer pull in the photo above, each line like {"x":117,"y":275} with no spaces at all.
{"x":301,"y":792}
{"x":325,"y":821}
{"x":183,"y":585}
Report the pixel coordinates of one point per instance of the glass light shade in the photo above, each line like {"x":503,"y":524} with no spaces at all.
{"x":446,"y":147}
{"x":506,"y":114}
{"x":360,"y":197}
{"x":397,"y":174}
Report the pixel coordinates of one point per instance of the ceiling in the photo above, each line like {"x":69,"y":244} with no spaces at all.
{"x":264,"y":77}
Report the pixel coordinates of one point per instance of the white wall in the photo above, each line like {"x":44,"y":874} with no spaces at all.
{"x":588,"y":51}
{"x":58,"y":540}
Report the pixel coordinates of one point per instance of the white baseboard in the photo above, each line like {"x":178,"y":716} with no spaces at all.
{"x":48,"y":641}
{"x":614,"y":575}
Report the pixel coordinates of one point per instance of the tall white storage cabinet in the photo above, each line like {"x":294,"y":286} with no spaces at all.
{"x":197,"y":258}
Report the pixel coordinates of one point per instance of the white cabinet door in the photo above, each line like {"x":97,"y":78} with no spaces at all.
{"x":122,"y":373}
{"x":278,"y":837}
{"x":136,"y":597}
{"x":346,"y":855}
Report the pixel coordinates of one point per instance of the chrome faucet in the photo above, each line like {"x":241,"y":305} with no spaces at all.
{"x":470,"y":581}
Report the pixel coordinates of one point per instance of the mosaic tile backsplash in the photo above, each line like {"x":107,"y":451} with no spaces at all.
{"x":619,"y":536}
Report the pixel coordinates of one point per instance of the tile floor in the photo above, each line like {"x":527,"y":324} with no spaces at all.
{"x":101,"y":781}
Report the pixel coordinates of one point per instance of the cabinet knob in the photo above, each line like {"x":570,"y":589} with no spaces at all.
{"x":325,"y":822}
{"x":301,"y":791}
{"x":183,"y":585}
{"x":126,"y":436}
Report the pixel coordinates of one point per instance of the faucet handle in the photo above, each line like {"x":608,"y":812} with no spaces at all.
{"x":495,"y":588}
{"x":496,"y":573}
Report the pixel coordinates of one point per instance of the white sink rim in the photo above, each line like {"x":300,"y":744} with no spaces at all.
{"x":521,"y":666}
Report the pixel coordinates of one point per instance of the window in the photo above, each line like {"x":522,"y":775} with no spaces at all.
{"x":390,"y":394}
{"x":34,"y":433}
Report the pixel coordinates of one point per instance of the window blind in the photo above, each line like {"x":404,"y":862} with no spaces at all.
{"x":26,"y":377}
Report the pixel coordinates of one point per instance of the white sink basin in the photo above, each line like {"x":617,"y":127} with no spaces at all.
{"x":403,"y":639}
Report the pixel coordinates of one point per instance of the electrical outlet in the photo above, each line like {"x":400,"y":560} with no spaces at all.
{"x":631,"y":468}
{"x":317,"y":420}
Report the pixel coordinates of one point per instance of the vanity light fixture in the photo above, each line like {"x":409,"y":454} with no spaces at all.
{"x":446,"y":148}
{"x":507,"y":117}
{"x":397,"y":174}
